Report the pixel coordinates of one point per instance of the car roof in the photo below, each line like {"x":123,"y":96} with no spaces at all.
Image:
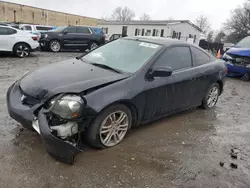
{"x":166,"y":42}
{"x":159,"y":40}
{"x":7,"y":26}
{"x":85,"y":26}
{"x":35,"y":25}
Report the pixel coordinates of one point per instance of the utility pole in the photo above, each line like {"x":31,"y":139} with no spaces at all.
{"x":47,"y":17}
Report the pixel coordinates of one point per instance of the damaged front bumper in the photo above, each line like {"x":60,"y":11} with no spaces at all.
{"x":56,"y":147}
{"x":237,"y":69}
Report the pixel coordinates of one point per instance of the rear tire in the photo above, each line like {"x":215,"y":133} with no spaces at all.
{"x":55,"y":46}
{"x":106,"y":127}
{"x":211,"y":96}
{"x":21,"y":50}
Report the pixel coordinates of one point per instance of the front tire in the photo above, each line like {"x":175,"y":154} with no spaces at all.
{"x":21,"y":50}
{"x":54,"y":46}
{"x":110,"y":127}
{"x":93,"y":46}
{"x":211,"y":96}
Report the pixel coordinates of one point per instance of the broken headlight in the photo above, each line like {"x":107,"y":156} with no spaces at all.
{"x":68,"y":106}
{"x":227,"y":57}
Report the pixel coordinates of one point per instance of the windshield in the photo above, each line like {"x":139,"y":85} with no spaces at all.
{"x":244,"y":43}
{"x":97,"y":30}
{"x":59,"y":29}
{"x":124,"y":55}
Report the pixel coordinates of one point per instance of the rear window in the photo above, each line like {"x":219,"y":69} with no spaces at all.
{"x":41,"y":28}
{"x":26,"y":28}
{"x":199,"y":56}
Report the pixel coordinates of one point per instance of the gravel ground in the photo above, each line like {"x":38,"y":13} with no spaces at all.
{"x":183,"y":150}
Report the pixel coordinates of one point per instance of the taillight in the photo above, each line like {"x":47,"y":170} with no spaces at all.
{"x":226,"y":69}
{"x":35,"y":38}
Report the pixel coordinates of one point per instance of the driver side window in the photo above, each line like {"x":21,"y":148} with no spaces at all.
{"x":177,"y":58}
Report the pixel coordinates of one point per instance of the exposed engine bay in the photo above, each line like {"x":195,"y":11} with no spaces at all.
{"x":240,"y":61}
{"x":63,"y":114}
{"x":65,"y":130}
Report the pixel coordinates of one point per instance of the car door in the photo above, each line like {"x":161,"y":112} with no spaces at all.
{"x":70,"y":37}
{"x":204,"y":72}
{"x":84,"y":35}
{"x":7,"y":38}
{"x":165,"y":95}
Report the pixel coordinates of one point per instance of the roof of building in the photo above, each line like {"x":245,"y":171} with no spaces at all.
{"x":148,"y":22}
{"x":4,"y":1}
{"x":158,"y":40}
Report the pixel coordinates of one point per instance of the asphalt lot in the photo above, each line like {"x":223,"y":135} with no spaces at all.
{"x":184,"y":150}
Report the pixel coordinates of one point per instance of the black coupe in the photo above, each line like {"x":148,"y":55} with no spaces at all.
{"x":102,"y":94}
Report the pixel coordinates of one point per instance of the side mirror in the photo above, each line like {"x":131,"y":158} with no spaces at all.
{"x":65,"y":32}
{"x":160,"y":72}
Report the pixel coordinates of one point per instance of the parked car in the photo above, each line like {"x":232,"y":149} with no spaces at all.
{"x":72,"y":37}
{"x":129,"y":81}
{"x":227,"y":46}
{"x":10,"y":24}
{"x":35,"y":29}
{"x":238,"y":59}
{"x":115,"y":37}
{"x":17,"y":41}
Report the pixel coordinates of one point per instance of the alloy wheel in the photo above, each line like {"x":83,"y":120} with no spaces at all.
{"x":22,"y":51}
{"x":114,"y":128}
{"x":212,"y":97}
{"x":93,"y":46}
{"x":55,"y":46}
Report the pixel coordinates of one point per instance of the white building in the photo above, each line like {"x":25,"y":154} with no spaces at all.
{"x":179,"y":29}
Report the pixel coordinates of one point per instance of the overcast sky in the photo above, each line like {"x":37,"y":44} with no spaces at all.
{"x":216,"y":10}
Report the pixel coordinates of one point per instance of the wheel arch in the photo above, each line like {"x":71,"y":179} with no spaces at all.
{"x":20,"y":43}
{"x":130,"y":106}
{"x":221,"y":85}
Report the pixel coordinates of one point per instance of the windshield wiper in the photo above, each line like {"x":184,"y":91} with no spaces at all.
{"x":106,"y":67}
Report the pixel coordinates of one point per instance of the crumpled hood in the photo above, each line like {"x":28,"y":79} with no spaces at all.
{"x":68,"y":76}
{"x":239,"y":51}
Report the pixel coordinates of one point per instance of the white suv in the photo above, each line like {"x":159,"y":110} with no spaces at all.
{"x":19,"y":42}
{"x":35,"y":29}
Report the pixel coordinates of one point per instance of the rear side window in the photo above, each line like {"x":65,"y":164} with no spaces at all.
{"x":41,"y":28}
{"x":83,"y":30}
{"x":7,"y":31}
{"x":200,"y":58}
{"x":71,"y":30}
{"x":26,"y":28}
{"x":177,"y":58}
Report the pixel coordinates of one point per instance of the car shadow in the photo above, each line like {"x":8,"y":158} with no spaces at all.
{"x":6,"y":54}
{"x":65,"y":51}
